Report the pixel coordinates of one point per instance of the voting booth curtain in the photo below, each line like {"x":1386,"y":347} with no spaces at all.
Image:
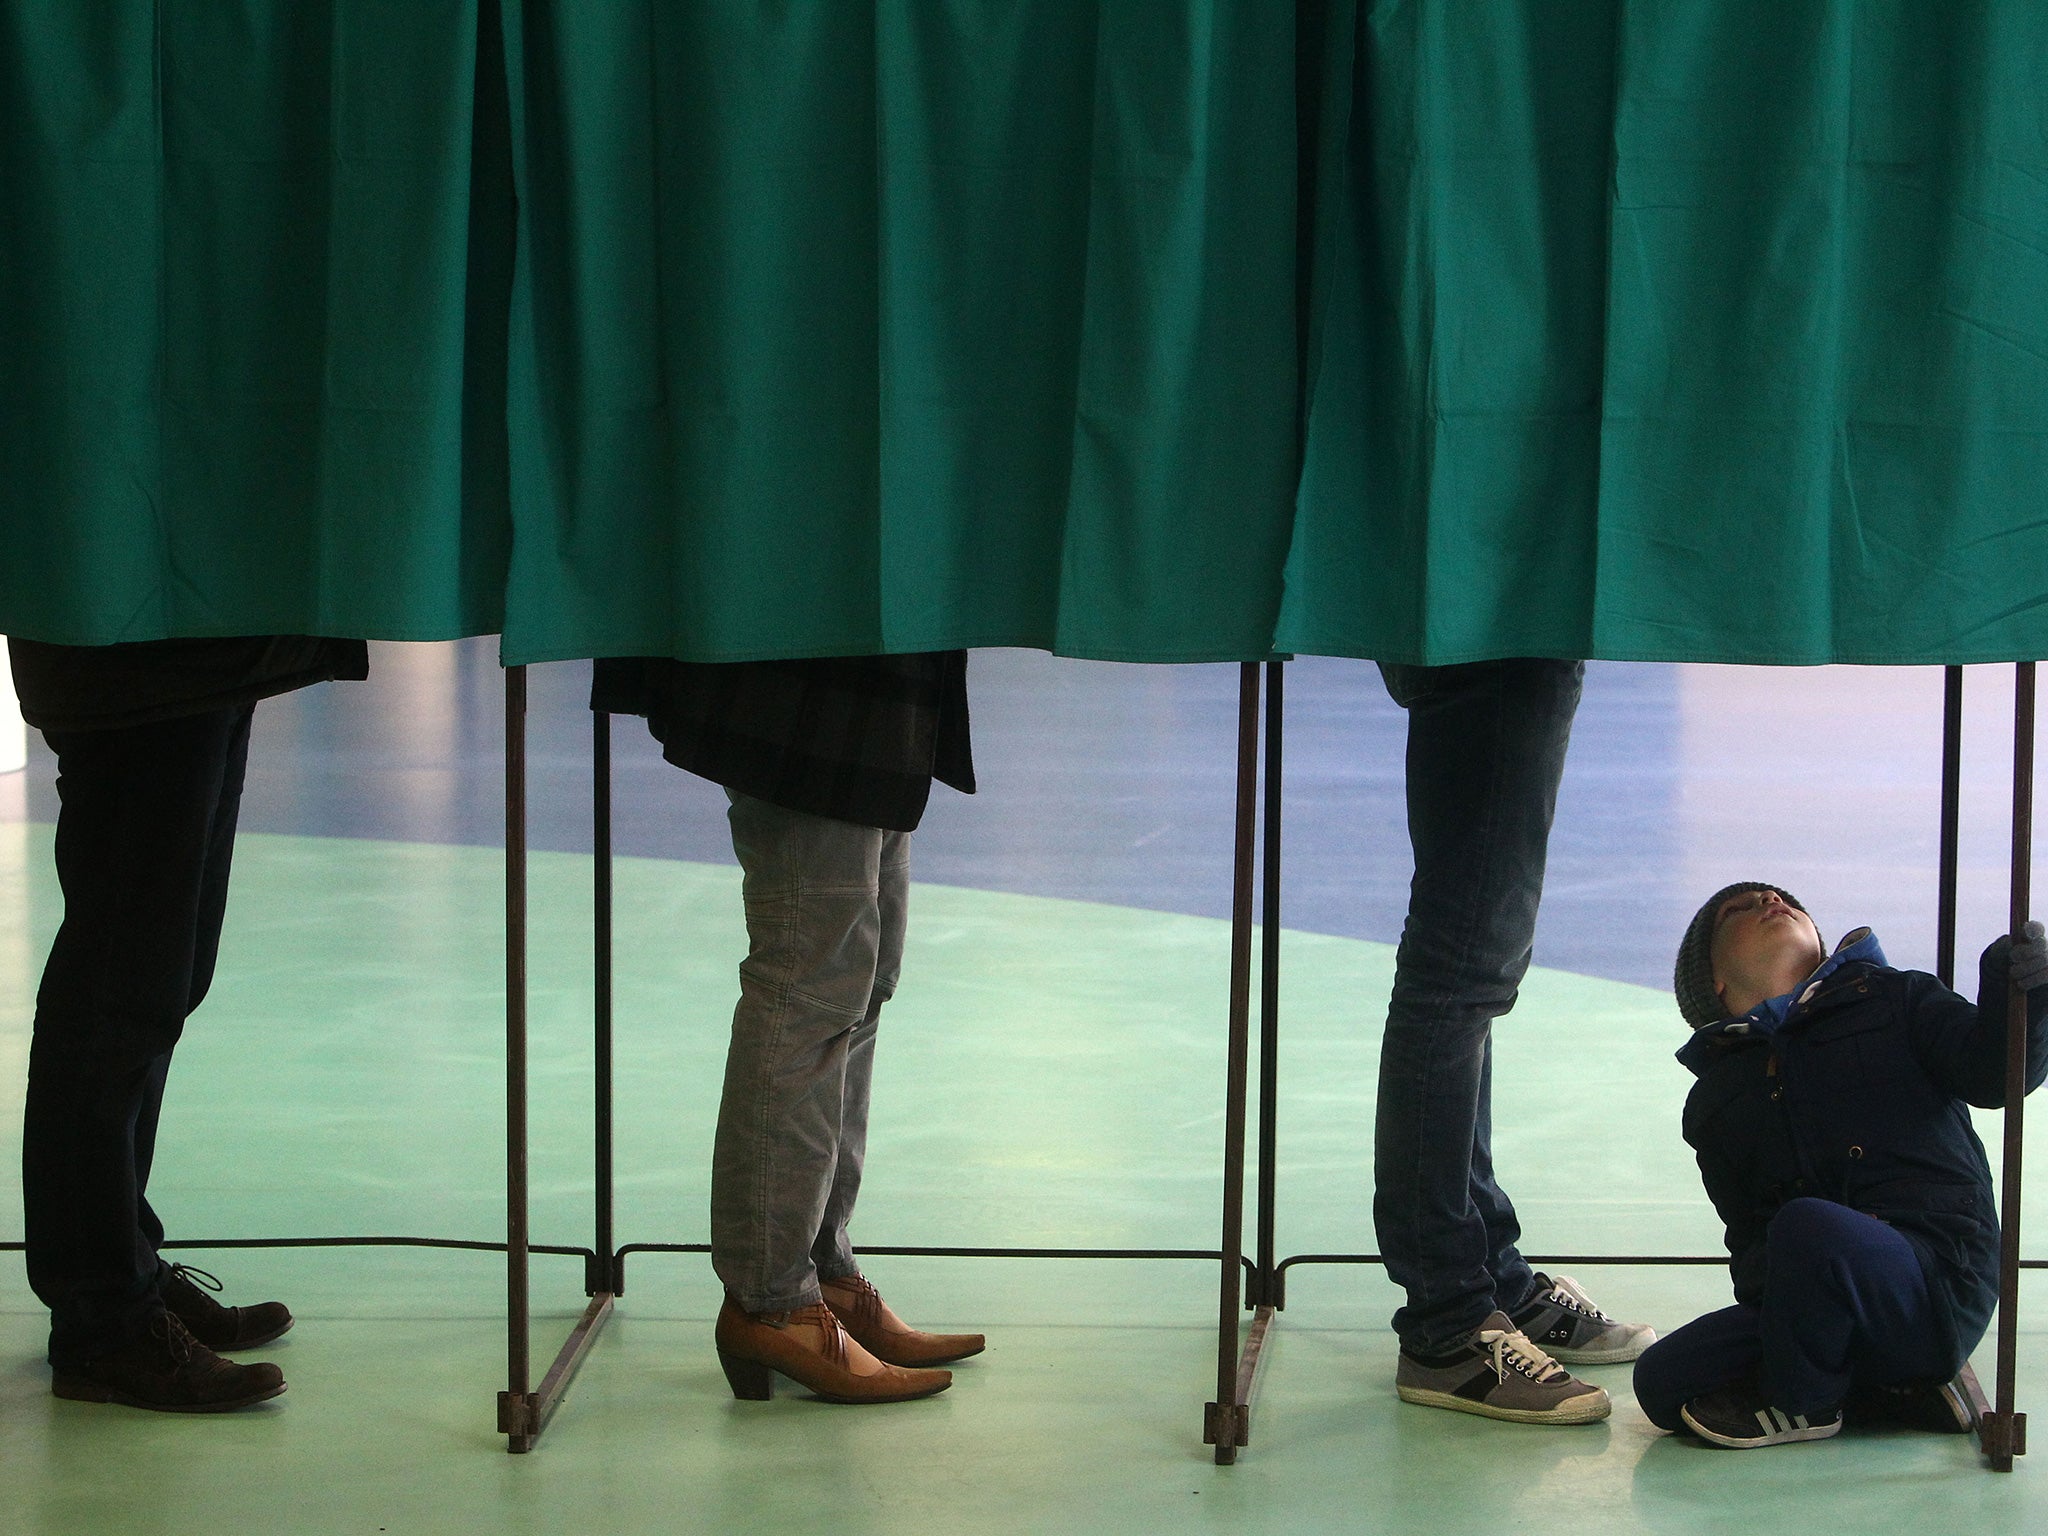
{"x":235,"y":274}
{"x":1146,"y":329}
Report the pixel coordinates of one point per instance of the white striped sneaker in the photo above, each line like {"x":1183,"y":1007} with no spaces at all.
{"x":1742,"y":1418}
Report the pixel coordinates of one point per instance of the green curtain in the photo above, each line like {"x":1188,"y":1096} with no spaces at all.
{"x":1681,"y":332}
{"x":1151,"y":329}
{"x":895,"y":326}
{"x":238,"y":392}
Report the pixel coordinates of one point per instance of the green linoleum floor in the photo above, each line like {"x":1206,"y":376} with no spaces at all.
{"x":1051,"y":1075}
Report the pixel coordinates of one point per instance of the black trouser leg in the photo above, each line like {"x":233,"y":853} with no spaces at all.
{"x":145,"y":839}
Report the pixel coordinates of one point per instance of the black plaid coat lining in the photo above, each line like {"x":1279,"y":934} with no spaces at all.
{"x":859,"y":739}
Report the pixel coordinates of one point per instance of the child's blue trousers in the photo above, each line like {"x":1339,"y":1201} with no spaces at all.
{"x":1845,"y":1302}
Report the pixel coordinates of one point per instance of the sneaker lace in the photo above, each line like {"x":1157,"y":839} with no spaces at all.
{"x":193,"y":1276}
{"x":1564,"y":1291}
{"x":1512,"y":1350}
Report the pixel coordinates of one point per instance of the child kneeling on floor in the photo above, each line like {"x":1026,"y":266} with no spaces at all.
{"x":1832,"y":1134}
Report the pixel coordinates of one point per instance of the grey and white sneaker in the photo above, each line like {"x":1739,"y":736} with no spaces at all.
{"x":1562,"y":1319}
{"x":1497,"y":1372}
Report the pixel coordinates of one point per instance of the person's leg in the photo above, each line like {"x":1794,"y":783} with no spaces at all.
{"x":1486,"y":748}
{"x":786,"y":1163}
{"x":1704,"y":1356}
{"x":1845,"y":1303}
{"x":216,"y":868}
{"x":1844,"y":1296}
{"x":144,"y":813}
{"x":831,"y":1251}
{"x":814,"y":933}
{"x":184,"y":1291}
{"x":870,"y":1320}
{"x":149,"y":1110}
{"x":1513,"y":1282}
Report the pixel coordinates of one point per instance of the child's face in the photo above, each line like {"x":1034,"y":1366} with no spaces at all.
{"x":1759,"y":939}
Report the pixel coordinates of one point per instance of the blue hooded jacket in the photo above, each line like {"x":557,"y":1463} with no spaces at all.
{"x":1853,"y":1088}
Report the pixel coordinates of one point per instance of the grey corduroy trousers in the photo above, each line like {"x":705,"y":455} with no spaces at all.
{"x":825,"y":904}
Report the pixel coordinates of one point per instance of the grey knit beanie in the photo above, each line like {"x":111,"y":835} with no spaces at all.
{"x":1693,"y":977}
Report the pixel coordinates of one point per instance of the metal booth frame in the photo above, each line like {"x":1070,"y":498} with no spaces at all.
{"x":2001,"y":1429}
{"x":1254,"y":1282}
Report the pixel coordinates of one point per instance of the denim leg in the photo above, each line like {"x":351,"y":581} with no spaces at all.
{"x":1514,"y":1283}
{"x":145,"y":840}
{"x":1705,"y":1355}
{"x":815,"y":935}
{"x":1486,"y":748}
{"x":831,"y":1251}
{"x":1845,"y":1302}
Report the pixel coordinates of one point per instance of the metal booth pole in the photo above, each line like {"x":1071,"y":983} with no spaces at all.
{"x":1267,"y":1291}
{"x":607,"y":1274}
{"x":1951,"y":821}
{"x":1226,"y":1422}
{"x":2003,"y":1431}
{"x":515,"y":1418}
{"x":523,"y":1414}
{"x":1945,"y":909}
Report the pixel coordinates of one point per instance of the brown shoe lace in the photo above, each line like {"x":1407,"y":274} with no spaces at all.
{"x":866,"y":1307}
{"x":832,"y":1344}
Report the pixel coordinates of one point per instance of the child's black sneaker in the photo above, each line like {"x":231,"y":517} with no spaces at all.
{"x":1938,"y":1407}
{"x":1742,"y":1417}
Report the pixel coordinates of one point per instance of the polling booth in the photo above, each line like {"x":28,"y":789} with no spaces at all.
{"x":1150,"y":331}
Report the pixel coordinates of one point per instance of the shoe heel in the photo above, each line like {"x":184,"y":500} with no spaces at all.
{"x":78,"y":1389}
{"x":750,"y":1380}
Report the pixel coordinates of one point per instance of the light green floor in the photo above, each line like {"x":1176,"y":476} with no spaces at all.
{"x":1052,"y":1075}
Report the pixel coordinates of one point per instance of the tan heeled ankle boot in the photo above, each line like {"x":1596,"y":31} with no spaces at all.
{"x":868,"y":1318}
{"x":812,"y":1350}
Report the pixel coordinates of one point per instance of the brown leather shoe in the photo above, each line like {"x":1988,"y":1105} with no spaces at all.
{"x":169,"y":1371}
{"x":217,"y":1327}
{"x":812,"y":1350}
{"x":861,"y":1310}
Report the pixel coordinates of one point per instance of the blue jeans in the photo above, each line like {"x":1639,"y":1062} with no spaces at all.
{"x":1486,"y":748}
{"x":1845,"y":1304}
{"x":826,"y":903}
{"x":145,"y":840}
